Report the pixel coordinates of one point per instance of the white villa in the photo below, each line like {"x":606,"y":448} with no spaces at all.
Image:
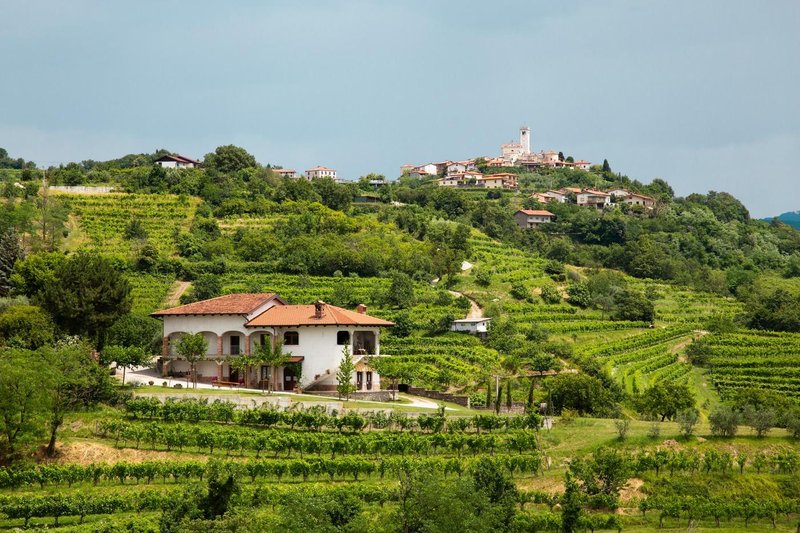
{"x":320,"y":172}
{"x":313,"y":335}
{"x":176,"y":161}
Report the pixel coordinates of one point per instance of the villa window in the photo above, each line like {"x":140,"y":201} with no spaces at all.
{"x":235,"y":350}
{"x":342,"y":338}
{"x":291,"y":338}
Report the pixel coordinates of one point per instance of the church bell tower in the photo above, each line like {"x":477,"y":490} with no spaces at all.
{"x":525,"y":139}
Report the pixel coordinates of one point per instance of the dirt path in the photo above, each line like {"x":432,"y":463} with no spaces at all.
{"x":681,"y":346}
{"x":177,"y":290}
{"x":475,"y":310}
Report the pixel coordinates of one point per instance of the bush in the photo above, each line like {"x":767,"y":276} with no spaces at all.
{"x":687,"y":420}
{"x":477,"y":399}
{"x":579,"y":295}
{"x":520,"y":291}
{"x":622,"y":426}
{"x":550,"y":294}
{"x":724,"y":421}
{"x":483,"y":278}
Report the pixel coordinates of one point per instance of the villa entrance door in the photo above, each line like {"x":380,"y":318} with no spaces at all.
{"x":289,"y":378}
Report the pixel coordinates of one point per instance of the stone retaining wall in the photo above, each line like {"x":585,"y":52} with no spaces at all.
{"x":440,"y":396}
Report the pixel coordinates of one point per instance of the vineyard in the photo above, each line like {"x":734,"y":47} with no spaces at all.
{"x":149,"y":292}
{"x":745,"y":359}
{"x":277,"y":456}
{"x":454,"y":359}
{"x":102,"y":219}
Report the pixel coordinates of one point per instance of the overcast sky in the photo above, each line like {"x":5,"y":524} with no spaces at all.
{"x":702,"y":94}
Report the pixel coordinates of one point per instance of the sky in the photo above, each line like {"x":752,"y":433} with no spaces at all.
{"x":702,"y":94}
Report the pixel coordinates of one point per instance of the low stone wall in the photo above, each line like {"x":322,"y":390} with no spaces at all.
{"x":375,"y":396}
{"x":440,"y":396}
{"x":81,"y":189}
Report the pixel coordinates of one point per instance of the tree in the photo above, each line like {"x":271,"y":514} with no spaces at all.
{"x":23,"y":400}
{"x":724,"y":421}
{"x":761,"y":420}
{"x":571,"y":505}
{"x":204,"y":287}
{"x":606,"y":473}
{"x":229,"y":158}
{"x":274,"y":356}
{"x":687,"y":420}
{"x":344,"y":375}
{"x":580,"y":392}
{"x":192,"y":347}
{"x":401,"y":291}
{"x":86,"y":296}
{"x":32,"y":274}
{"x":403,"y":324}
{"x":777,"y":311}
{"x":431,"y":503}
{"x":606,"y":166}
{"x":666,"y":400}
{"x":136,"y":330}
{"x":26,"y":326}
{"x":73,"y":381}
{"x":497,"y":486}
{"x":10,"y":252}
{"x":125,"y":357}
{"x":633,"y":305}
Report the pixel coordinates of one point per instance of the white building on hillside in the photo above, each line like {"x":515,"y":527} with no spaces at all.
{"x":320,"y":172}
{"x":285,"y":172}
{"x":176,"y":161}
{"x":236,"y":324}
{"x":475,"y":326}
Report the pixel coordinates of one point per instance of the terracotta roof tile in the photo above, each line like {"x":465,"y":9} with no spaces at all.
{"x":536,"y":212}
{"x":303,"y":315}
{"x":230,"y":304}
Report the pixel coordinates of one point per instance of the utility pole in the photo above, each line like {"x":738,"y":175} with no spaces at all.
{"x":44,"y":207}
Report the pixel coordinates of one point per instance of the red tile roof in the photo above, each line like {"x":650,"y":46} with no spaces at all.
{"x":304,"y":315}
{"x":502,"y":174}
{"x":536,"y":212}
{"x":177,"y":158}
{"x":230,"y":304}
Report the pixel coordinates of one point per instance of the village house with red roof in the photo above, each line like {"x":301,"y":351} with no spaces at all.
{"x":532,"y":218}
{"x":320,"y":172}
{"x":235,"y":325}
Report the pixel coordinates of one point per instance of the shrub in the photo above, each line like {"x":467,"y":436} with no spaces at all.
{"x":622,"y":426}
{"x":687,"y":420}
{"x":483,"y":278}
{"x":520,"y":291}
{"x":550,"y":294}
{"x":724,"y":421}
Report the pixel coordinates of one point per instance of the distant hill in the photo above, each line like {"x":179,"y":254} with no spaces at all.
{"x":792,"y":218}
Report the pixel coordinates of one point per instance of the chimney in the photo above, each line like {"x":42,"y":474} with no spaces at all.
{"x":361,"y":309}
{"x":319,"y":306}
